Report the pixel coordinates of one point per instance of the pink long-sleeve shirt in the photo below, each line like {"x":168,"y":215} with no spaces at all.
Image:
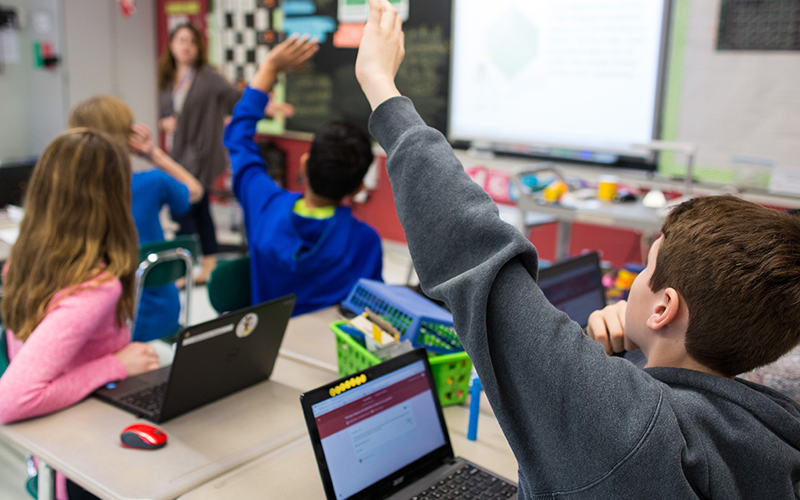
{"x":68,"y":356}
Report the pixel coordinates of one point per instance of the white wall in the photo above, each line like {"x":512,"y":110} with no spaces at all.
{"x":110,"y":54}
{"x":737,"y":103}
{"x":102,"y":52}
{"x":32,"y":107}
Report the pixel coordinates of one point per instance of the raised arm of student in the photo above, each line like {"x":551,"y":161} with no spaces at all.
{"x":251,"y":184}
{"x":572,"y":415}
{"x":141,"y":143}
{"x":41,"y":377}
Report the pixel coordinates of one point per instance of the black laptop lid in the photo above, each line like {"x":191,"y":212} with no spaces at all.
{"x":222,"y":356}
{"x":378,"y":430}
{"x":575,"y":286}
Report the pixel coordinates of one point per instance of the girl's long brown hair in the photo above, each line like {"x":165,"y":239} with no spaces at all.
{"x":166,"y":63}
{"x":77,"y":225}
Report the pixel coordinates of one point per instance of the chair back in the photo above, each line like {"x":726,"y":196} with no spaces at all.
{"x":3,"y":351}
{"x":162,"y":263}
{"x":229,"y":285}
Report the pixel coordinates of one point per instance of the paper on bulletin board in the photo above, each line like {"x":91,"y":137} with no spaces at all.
{"x":785,"y":180}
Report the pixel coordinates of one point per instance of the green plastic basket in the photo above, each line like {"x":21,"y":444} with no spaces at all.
{"x":451,"y":372}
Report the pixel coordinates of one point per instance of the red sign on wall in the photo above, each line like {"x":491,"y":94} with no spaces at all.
{"x":172,"y":13}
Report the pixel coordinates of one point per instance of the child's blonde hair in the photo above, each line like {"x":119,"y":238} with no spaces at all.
{"x":105,"y":113}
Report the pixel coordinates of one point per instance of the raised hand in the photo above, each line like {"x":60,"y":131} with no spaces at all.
{"x":381,"y":52}
{"x":288,"y":56}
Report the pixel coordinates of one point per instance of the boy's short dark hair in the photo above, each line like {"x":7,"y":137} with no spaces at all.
{"x":737,"y":265}
{"x":339,"y":159}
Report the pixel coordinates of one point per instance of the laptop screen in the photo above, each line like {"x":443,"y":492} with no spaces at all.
{"x":371,"y":431}
{"x":575,"y":287}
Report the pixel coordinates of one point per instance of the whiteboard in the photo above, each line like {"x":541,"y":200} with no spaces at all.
{"x":582,"y":74}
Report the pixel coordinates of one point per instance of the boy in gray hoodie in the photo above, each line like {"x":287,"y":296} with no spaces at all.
{"x":720,"y":296}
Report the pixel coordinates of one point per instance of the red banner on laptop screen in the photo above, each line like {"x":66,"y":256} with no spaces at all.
{"x":370,"y":405}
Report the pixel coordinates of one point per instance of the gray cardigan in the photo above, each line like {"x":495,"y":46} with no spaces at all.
{"x":582,"y":425}
{"x":197,"y":143}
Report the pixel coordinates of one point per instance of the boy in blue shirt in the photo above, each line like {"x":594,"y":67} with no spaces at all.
{"x":302,"y":243}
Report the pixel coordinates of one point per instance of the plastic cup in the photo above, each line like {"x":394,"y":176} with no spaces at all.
{"x":607,"y":188}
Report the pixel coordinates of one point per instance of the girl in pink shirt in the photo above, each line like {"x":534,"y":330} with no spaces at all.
{"x":69,"y":282}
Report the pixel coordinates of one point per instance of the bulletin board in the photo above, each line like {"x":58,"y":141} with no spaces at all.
{"x":761,"y":25}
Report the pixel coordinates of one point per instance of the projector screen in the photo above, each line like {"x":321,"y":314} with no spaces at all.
{"x":576,"y":79}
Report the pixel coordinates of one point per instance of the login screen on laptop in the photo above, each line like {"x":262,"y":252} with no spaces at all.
{"x":377,"y":428}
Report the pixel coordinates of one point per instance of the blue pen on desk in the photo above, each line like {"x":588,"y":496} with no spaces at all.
{"x":474,"y":408}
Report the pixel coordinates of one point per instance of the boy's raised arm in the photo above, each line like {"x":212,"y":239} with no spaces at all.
{"x":248,"y":166}
{"x":570,"y":413}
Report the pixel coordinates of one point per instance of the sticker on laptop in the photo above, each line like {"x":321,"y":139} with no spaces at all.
{"x":246,"y":325}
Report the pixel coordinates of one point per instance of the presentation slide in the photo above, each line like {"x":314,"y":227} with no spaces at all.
{"x":579,"y":74}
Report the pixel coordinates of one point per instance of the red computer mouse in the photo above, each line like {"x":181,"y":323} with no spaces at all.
{"x":143,"y":436}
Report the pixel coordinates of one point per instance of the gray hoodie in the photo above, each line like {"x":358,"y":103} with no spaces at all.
{"x":581,"y":424}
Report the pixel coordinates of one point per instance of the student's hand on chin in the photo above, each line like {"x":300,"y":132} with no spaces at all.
{"x":607,"y":326}
{"x":380,"y":53}
{"x":137,"y":358}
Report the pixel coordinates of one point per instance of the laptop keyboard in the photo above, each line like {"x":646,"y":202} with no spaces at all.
{"x":469,"y":483}
{"x":148,"y":399}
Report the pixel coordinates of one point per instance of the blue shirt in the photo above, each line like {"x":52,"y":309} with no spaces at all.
{"x":319,"y":260}
{"x":159,"y":306}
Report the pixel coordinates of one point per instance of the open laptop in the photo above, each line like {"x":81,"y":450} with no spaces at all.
{"x":575,"y":286}
{"x":381,"y":434}
{"x":212,"y":360}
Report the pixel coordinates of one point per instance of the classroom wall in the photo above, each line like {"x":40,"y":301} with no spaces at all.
{"x":111,"y":54}
{"x":102,"y":53}
{"x":32,"y":110}
{"x":734,"y":106}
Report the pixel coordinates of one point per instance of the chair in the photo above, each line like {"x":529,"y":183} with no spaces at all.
{"x":3,"y":351}
{"x":165,"y":262}
{"x":229,"y":285}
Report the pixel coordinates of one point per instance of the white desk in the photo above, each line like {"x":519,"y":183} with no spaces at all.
{"x":229,"y":435}
{"x":83,"y":441}
{"x":5,"y":224}
{"x":630,"y":216}
{"x":291,"y":471}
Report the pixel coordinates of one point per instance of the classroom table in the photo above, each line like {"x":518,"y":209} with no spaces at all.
{"x":6,"y":225}
{"x":291,"y":471}
{"x":83,"y":440}
{"x":631,"y":216}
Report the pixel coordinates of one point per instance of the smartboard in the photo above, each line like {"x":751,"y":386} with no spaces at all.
{"x":577,"y":79}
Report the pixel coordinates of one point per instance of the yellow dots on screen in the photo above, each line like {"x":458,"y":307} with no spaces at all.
{"x":347,"y":384}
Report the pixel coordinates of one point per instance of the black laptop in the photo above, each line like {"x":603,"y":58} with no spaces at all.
{"x":381,"y":434}
{"x":212,"y":360}
{"x":575,"y":286}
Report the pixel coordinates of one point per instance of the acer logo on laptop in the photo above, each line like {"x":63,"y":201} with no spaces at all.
{"x":398,"y":480}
